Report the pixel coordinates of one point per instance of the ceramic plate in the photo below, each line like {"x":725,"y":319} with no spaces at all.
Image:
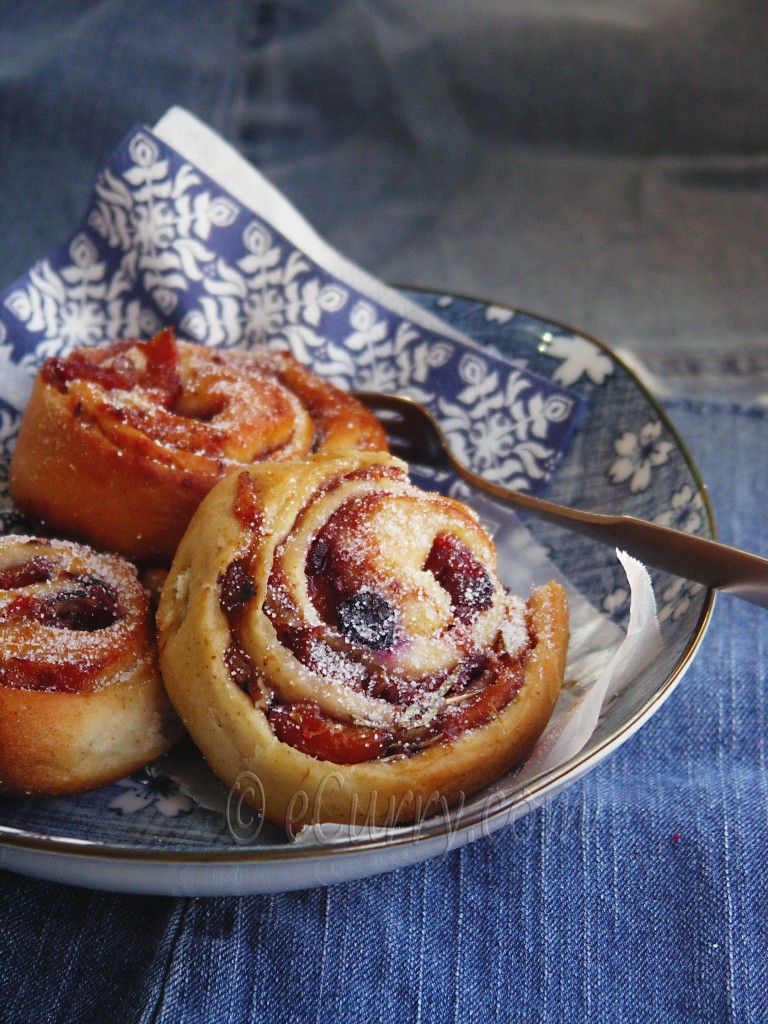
{"x":145,"y":835}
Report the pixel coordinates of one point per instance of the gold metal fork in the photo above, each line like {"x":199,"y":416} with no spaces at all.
{"x":416,"y":437}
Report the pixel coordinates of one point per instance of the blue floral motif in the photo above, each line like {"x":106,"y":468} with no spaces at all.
{"x":686,"y":511}
{"x":149,"y":788}
{"x":639,"y":454}
{"x":161,"y":243}
{"x":677,"y":598}
{"x":579,"y":357}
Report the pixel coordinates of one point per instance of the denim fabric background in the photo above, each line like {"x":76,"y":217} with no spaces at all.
{"x":605,"y":163}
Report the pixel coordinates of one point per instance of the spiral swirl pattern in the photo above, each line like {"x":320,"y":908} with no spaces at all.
{"x":119,"y":444}
{"x":81,"y":697}
{"x":330,"y":617}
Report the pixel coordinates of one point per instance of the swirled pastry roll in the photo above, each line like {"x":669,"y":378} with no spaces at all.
{"x":81,"y":697}
{"x":119,"y":444}
{"x":343,"y":637}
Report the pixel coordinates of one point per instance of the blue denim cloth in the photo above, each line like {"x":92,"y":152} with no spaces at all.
{"x":554,"y":157}
{"x":637,"y":894}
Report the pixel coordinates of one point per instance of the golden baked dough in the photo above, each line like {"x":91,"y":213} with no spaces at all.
{"x":343,"y":636}
{"x":81,"y":697}
{"x":119,"y":444}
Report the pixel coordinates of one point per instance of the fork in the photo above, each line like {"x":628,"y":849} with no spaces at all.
{"x":416,"y":436}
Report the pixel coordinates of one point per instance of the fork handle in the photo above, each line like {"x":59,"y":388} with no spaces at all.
{"x":695,"y":558}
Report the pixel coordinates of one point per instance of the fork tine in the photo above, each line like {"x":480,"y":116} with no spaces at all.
{"x":410,"y":432}
{"x":394,"y":419}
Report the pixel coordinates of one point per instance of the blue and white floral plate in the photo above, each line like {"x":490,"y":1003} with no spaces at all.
{"x":146,"y":835}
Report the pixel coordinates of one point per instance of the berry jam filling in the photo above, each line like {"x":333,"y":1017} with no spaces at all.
{"x":236,"y":589}
{"x":35,"y":570}
{"x":323,"y":582}
{"x":112,"y":368}
{"x":246,"y":508}
{"x":311,"y":649}
{"x":406,"y":692}
{"x":31,"y":674}
{"x":89,"y":606}
{"x":118,"y":373}
{"x":318,"y":559}
{"x":461,"y":574}
{"x":72,"y":602}
{"x":493,"y":691}
{"x":305,"y":727}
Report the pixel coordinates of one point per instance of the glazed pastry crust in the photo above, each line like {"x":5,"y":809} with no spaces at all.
{"x":108,"y":496}
{"x":115,"y":719}
{"x":236,"y":736}
{"x":59,"y":744}
{"x":116,"y":467}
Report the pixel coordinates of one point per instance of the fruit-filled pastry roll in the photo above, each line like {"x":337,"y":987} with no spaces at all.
{"x":340,"y":646}
{"x":118,"y":444}
{"x":82,"y":701}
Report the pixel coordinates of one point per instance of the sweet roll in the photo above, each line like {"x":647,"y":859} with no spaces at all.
{"x":340,"y":646}
{"x":119,"y":443}
{"x":82,"y":701}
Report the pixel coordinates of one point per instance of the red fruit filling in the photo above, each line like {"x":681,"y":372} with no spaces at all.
{"x":305,"y":727}
{"x":84,"y":603}
{"x":111,"y":368}
{"x":89,"y":606}
{"x":35,"y":570}
{"x":236,"y":590}
{"x":462,"y":575}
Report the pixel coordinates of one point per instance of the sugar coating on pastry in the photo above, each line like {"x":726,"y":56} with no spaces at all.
{"x":344,"y":637}
{"x":119,"y":443}
{"x":81,"y":697}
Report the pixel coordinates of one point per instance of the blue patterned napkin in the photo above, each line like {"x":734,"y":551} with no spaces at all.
{"x":181,"y":230}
